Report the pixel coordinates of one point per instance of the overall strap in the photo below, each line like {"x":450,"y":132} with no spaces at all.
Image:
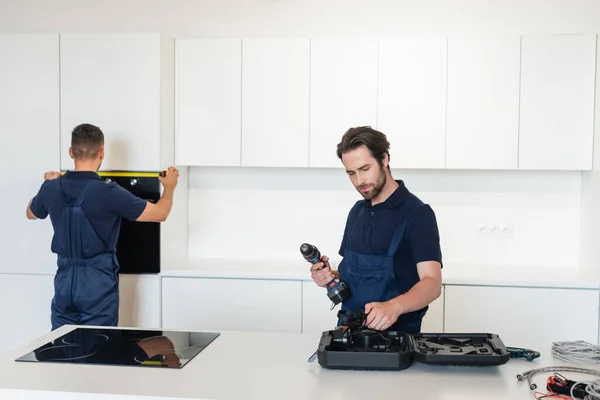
{"x":399,"y":234}
{"x":67,"y":200}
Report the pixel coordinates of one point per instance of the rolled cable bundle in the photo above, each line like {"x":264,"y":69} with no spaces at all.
{"x":580,"y":352}
{"x":576,"y":352}
{"x":592,"y":390}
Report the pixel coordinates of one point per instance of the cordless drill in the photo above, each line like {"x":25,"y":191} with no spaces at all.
{"x":337,"y":291}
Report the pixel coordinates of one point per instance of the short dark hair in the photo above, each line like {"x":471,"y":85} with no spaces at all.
{"x":376,"y":142}
{"x":86,"y":140}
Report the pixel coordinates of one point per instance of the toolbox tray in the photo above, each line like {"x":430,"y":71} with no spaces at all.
{"x":392,"y":350}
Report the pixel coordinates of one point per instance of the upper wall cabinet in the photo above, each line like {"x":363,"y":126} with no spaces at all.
{"x":462,"y":102}
{"x":121,"y":83}
{"x":29,"y":125}
{"x":343,"y":93}
{"x":557,"y":102}
{"x":483,"y":102}
{"x":275,"y":102}
{"x":208,"y":102}
{"x":412,"y":100}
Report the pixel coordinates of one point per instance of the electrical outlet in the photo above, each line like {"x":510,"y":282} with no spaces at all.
{"x":495,"y":231}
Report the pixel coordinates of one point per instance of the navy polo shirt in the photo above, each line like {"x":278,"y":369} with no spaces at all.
{"x":374,"y":227}
{"x":105,"y":205}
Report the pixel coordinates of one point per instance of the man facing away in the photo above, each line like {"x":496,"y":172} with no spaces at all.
{"x":391,"y":247}
{"x":86,"y":215}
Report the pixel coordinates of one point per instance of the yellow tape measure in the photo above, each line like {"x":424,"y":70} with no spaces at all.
{"x":131,"y":174}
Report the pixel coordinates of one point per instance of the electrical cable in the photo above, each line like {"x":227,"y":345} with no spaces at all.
{"x":528,"y":375}
{"x":572,"y":391}
{"x":593,"y":390}
{"x":576,"y":352}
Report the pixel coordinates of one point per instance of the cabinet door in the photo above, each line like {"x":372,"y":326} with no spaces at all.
{"x":208,"y":102}
{"x":26,"y":301}
{"x":29,"y":125}
{"x":343,"y":93}
{"x":412,"y":100}
{"x":483,"y":102}
{"x":557,"y":102}
{"x":275,"y":102}
{"x":113,"y":81}
{"x":433,"y":321}
{"x":139,"y":304}
{"x":231,"y":304}
{"x":523,"y":317}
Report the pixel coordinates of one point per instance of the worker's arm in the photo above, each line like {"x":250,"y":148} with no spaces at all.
{"x":133,"y":208}
{"x":28,"y":212}
{"x":37,"y":208}
{"x":160,"y":211}
{"x":425,"y":291}
{"x":423,"y":237}
{"x":381,"y":315}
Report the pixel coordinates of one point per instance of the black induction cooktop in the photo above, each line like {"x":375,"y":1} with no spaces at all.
{"x":123,"y":347}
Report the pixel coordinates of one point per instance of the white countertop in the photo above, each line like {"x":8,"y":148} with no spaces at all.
{"x":240,"y":365}
{"x":452,"y":274}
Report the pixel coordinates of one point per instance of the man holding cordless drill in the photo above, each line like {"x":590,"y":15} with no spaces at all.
{"x":86,"y":215}
{"x":391,"y":247}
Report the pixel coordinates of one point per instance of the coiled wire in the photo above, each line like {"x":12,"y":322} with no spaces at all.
{"x":592,"y":390}
{"x":576,"y":352}
{"x":528,"y":375}
{"x":573,"y":352}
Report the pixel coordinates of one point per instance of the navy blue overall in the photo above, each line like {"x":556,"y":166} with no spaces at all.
{"x":86,"y":284}
{"x":371,"y":278}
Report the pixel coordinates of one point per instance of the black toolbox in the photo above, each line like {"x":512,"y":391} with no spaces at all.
{"x":351,"y":346}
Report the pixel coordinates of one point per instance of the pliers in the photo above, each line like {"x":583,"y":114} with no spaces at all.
{"x":529,"y":355}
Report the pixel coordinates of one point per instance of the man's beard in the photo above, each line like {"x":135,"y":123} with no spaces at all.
{"x":377,"y":187}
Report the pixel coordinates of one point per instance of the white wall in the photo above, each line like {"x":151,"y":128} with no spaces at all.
{"x":291,"y":206}
{"x":235,"y":18}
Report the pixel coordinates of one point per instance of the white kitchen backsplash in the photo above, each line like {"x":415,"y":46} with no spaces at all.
{"x":516,"y":218}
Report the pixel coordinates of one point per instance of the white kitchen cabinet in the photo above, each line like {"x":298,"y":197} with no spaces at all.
{"x":412,"y":100}
{"x":433,"y":321}
{"x":231,"y":304}
{"x":343,"y":93}
{"x":523,"y":316}
{"x":122,"y":83}
{"x":317,"y":315}
{"x":140,"y":301}
{"x":557,"y":102}
{"x":29,"y":124}
{"x":483,"y":102}
{"x":275,"y":102}
{"x":26,"y":300}
{"x":208,"y":102}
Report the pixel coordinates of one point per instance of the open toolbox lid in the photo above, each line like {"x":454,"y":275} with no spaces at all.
{"x":353,"y":347}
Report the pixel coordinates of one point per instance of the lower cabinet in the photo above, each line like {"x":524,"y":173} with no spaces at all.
{"x":26,"y":301}
{"x":433,"y":322}
{"x":523,"y":316}
{"x":317,"y":315}
{"x":231,"y":304}
{"x":139,"y":303}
